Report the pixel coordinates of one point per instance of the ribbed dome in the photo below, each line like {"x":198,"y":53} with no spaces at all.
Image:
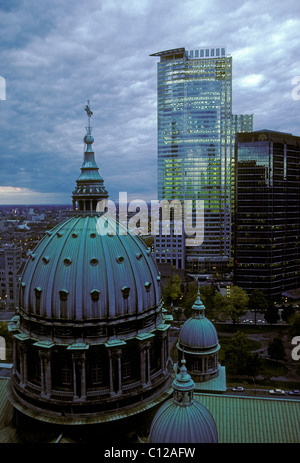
{"x":182,"y":419}
{"x":189,"y":424}
{"x":198,"y":332}
{"x":77,"y":273}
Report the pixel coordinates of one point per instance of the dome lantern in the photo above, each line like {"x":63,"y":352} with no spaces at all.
{"x":198,"y":340}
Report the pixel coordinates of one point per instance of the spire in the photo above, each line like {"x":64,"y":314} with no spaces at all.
{"x":198,"y":307}
{"x":89,"y":188}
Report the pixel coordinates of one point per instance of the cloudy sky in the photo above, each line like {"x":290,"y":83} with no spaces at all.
{"x":54,"y":55}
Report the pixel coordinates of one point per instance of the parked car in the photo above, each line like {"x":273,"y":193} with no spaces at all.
{"x":277,"y":391}
{"x":238,"y":389}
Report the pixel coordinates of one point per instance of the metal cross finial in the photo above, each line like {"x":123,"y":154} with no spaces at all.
{"x":88,"y":109}
{"x":89,"y":114}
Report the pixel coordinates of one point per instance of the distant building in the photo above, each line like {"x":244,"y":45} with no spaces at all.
{"x":242,"y":123}
{"x":169,"y":247}
{"x":10,"y":264}
{"x":267,"y":224}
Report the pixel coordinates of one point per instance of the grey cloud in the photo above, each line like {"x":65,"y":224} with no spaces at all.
{"x":56,"y":55}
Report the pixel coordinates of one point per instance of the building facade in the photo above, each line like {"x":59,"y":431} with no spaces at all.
{"x":10,"y":264}
{"x":267,"y":224}
{"x":194,"y":101}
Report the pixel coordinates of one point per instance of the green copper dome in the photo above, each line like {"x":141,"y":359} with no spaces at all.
{"x":182,"y":419}
{"x":76,"y":273}
{"x":198,"y":332}
{"x":90,"y":269}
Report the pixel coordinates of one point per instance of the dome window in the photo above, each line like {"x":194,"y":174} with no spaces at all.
{"x":93,"y":235}
{"x":63,"y":294}
{"x":59,"y":234}
{"x":125,"y":292}
{"x":139,"y":255}
{"x":94,"y":261}
{"x":95,"y":294}
{"x":120,"y":259}
{"x":147,"y":286}
{"x":74,"y":235}
{"x":46,"y":260}
{"x":67,"y":261}
{"x":38,"y":293}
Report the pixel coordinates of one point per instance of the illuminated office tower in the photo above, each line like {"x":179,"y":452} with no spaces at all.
{"x":242,"y":123}
{"x":267,"y":225}
{"x":195,"y":151}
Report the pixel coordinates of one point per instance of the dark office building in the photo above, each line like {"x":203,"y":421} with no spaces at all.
{"x":267,"y":206}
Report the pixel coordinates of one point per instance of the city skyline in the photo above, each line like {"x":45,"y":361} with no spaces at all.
{"x":54,"y":59}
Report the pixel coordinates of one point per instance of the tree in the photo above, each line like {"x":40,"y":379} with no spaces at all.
{"x":253,"y":365}
{"x":207,"y":294}
{"x":236,"y":353}
{"x":189,"y":298}
{"x":272,"y":315}
{"x":172,"y":290}
{"x":294,"y":322}
{"x":237,"y":303}
{"x":276,"y":349}
{"x":220,"y":303}
{"x":257,"y":302}
{"x":287,"y":312}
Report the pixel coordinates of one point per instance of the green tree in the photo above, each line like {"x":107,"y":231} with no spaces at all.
{"x":257,"y":302}
{"x":237,"y":303}
{"x":272,"y":315}
{"x":294,"y":324}
{"x":207,"y":294}
{"x":220,"y":304}
{"x":172,"y":290}
{"x":276,"y":349}
{"x":288,"y":312}
{"x":236,"y":354}
{"x":4,"y":332}
{"x":254,"y":364}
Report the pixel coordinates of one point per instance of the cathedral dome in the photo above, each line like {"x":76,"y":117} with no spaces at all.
{"x":198,"y":332}
{"x":90,"y":341}
{"x":77,"y":273}
{"x":183,"y":419}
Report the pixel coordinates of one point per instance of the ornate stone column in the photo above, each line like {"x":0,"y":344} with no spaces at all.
{"x":83,"y":376}
{"x":115,"y":374}
{"x":119,"y":380}
{"x":144,"y":347}
{"x":142,"y":364}
{"x":74,"y":360}
{"x":111,"y":378}
{"x":23,"y":364}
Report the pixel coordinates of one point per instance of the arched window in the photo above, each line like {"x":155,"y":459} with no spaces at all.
{"x":63,"y":294}
{"x":38,"y":293}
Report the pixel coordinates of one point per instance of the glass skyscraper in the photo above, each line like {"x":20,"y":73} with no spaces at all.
{"x":267,"y":225}
{"x":195,"y":144}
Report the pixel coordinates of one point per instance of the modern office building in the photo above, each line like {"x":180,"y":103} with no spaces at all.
{"x":242,"y":123}
{"x":195,"y":155}
{"x":267,"y":223}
